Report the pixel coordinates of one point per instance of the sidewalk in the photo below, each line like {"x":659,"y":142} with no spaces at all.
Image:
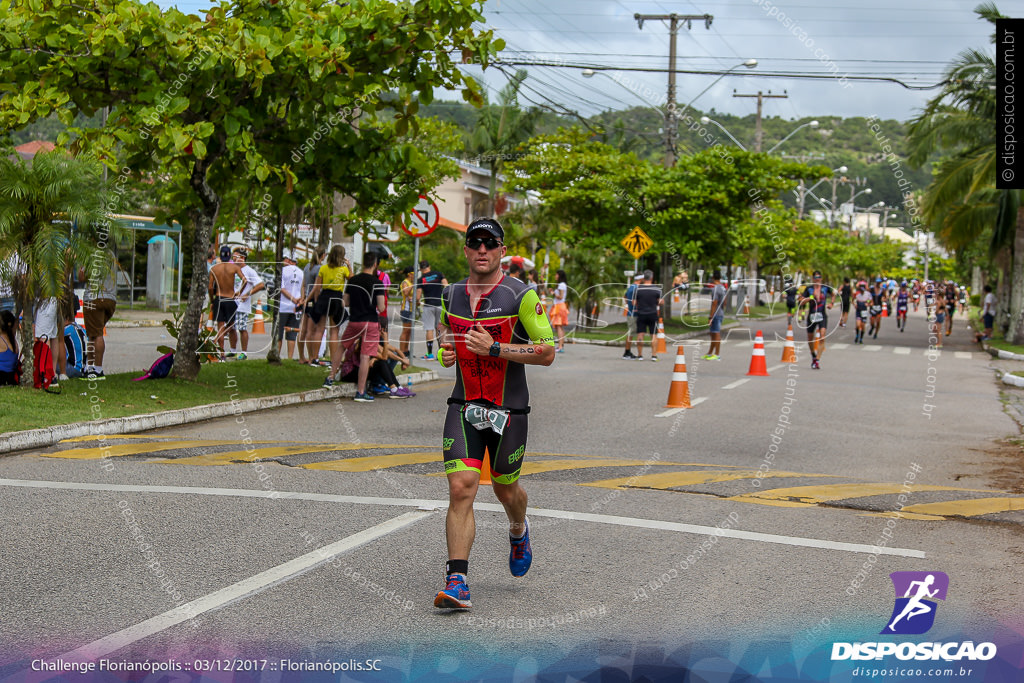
{"x":138,"y":317}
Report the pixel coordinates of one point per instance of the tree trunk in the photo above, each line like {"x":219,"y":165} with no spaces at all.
{"x":1015,"y":333}
{"x":186,"y":361}
{"x":273,"y":354}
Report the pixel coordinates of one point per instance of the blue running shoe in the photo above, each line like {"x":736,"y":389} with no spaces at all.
{"x":520,"y":556}
{"x":455,"y":594}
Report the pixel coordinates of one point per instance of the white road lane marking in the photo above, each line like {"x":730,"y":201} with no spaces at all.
{"x":901,"y":350}
{"x":675,"y":411}
{"x":966,"y":355}
{"x":733,"y":385}
{"x":425,"y":504}
{"x":238,"y":591}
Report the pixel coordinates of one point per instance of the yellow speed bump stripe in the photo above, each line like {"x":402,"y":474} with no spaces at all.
{"x":374,"y":462}
{"x":814,"y":495}
{"x":968,"y":508}
{"x":133,"y":449}
{"x":231,"y":457}
{"x":667,"y":480}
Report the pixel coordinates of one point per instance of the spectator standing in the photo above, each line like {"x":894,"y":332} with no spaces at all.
{"x":647,"y":300}
{"x":407,"y":289}
{"x":288,"y":307}
{"x":364,"y":296}
{"x":988,"y":313}
{"x":716,"y":316}
{"x":100,"y":302}
{"x":429,"y":288}
{"x":631,"y":316}
{"x":559,"y":312}
{"x":329,"y":293}
{"x":250,"y":283}
{"x":308,"y":347}
{"x":222,"y":295}
{"x":8,"y":348}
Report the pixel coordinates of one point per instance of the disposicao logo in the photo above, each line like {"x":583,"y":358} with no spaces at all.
{"x":914,"y":612}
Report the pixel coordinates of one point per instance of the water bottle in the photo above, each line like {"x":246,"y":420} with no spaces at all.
{"x":408,"y":382}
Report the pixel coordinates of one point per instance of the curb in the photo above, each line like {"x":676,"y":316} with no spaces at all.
{"x":48,"y":436}
{"x":1013,"y":380}
{"x":135,"y":323}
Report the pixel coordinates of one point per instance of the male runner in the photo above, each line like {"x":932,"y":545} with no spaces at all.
{"x":715,"y":316}
{"x":817,"y":315}
{"x":222,"y":294}
{"x":877,"y":303}
{"x":902,"y":304}
{"x":951,"y":296}
{"x":845,"y":294}
{"x":492,"y":326}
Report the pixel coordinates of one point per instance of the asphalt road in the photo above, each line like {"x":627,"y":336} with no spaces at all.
{"x":692,"y":540}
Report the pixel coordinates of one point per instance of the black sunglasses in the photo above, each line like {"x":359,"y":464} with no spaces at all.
{"x":489,"y":242}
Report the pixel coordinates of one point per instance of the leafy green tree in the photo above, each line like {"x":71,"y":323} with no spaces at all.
{"x":52,"y":219}
{"x":214,"y":102}
{"x":499,"y":131}
{"x":962,"y":200}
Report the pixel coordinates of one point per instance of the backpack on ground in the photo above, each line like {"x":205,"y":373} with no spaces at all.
{"x":159,"y":369}
{"x":42,"y":375}
{"x":74,"y":345}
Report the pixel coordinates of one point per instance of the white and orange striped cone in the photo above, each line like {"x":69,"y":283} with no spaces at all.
{"x":675,"y":296}
{"x":758,"y":367}
{"x":789,"y":346}
{"x":746,"y":306}
{"x":660,"y":345}
{"x":817,"y":343}
{"x":679,"y":390}
{"x":258,"y":327}
{"x":80,"y":316}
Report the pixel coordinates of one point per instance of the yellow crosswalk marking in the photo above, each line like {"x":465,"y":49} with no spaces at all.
{"x":231,"y":457}
{"x":968,"y":508}
{"x":667,"y":480}
{"x":373,"y":462}
{"x":540,"y":466}
{"x":813,"y":495}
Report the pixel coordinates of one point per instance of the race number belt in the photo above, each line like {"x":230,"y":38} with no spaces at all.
{"x":485,"y":417}
{"x":864,"y":314}
{"x":816,"y":317}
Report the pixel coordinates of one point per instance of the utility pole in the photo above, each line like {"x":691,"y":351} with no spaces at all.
{"x":757,"y":125}
{"x":674,"y":20}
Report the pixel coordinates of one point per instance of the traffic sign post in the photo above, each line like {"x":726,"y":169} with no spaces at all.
{"x":637,"y":242}
{"x":424,"y":218}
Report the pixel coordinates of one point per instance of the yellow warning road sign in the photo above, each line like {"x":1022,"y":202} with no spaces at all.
{"x":637,"y":242}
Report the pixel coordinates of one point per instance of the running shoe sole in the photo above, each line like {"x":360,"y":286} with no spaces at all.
{"x":445,"y":601}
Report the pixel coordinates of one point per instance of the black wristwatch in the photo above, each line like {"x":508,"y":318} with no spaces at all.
{"x":495,"y":349}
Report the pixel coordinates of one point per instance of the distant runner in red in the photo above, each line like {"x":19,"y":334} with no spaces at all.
{"x":492,"y":327}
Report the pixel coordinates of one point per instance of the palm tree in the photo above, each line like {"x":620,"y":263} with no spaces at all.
{"x":500,"y":129}
{"x":51,"y":218}
{"x":962,"y":200}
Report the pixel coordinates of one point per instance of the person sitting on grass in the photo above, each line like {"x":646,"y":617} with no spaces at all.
{"x":8,"y":348}
{"x":380,"y":376}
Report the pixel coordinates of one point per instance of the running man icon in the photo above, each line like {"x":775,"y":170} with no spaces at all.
{"x":912,"y":591}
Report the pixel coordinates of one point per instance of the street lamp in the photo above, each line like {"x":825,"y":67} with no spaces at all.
{"x":750,"y":64}
{"x":590,"y":73}
{"x":705,"y":120}
{"x":812,"y":124}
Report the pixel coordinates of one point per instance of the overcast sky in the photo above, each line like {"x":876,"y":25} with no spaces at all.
{"x":909,"y":40}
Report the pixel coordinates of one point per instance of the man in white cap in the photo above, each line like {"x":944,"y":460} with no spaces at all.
{"x":288,"y":313}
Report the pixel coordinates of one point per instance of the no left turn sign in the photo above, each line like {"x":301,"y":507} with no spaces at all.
{"x":425,"y":217}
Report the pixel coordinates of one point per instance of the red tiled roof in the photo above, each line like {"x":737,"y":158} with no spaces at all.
{"x":30,"y":149}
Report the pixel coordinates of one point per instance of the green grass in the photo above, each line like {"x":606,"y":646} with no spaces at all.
{"x":1004,"y":346}
{"x":118,"y":396}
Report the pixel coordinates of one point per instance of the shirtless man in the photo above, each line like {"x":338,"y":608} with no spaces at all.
{"x":222,"y":294}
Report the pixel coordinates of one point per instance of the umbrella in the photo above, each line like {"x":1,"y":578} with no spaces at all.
{"x":526,"y":263}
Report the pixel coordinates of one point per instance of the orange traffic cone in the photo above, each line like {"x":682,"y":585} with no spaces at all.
{"x":675,"y":296}
{"x":746,"y":306}
{"x":789,"y":347}
{"x":817,"y":342}
{"x":679,"y":390}
{"x":758,"y":367}
{"x":660,"y":346}
{"x":485,"y":469}
{"x":885,"y":311}
{"x":258,"y":327}
{"x":80,"y":316}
